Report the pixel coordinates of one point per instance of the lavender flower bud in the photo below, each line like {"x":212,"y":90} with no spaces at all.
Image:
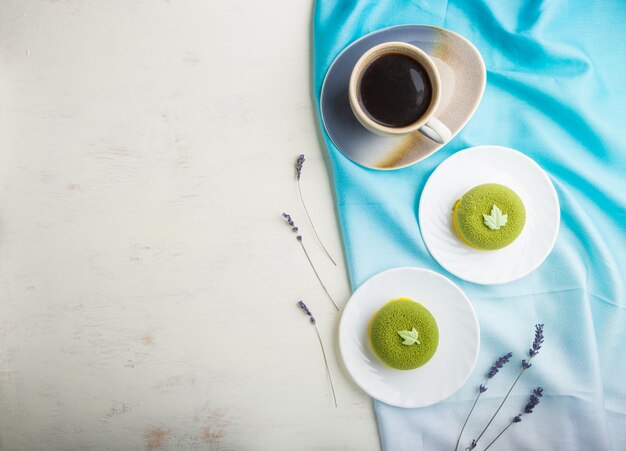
{"x":472,"y":445}
{"x":289,"y":220}
{"x":517,"y":419}
{"x":306,"y":310}
{"x":299,"y":163}
{"x":499,"y":364}
{"x":526,"y":364}
{"x":482,"y":388}
{"x":303,"y":306}
{"x":534,"y":400}
{"x":538,"y":340}
{"x":293,"y":226}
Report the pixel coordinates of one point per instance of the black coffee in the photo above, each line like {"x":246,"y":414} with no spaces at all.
{"x":395,"y":90}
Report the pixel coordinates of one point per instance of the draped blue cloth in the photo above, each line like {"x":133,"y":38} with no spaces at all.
{"x":556,"y":92}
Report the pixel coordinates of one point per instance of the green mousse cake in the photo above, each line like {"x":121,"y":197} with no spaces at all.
{"x":489,"y":216}
{"x":404,"y":334}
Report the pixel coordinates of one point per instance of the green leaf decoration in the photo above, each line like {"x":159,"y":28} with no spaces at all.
{"x":409,"y":337}
{"x":496,"y":220}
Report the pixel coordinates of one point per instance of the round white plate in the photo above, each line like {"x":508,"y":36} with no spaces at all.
{"x":489,"y":164}
{"x":459,"y":338}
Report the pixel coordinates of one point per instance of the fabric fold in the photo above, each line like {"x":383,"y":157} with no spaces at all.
{"x":555,"y":87}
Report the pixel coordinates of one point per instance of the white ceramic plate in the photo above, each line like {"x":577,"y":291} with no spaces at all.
{"x":459,"y":338}
{"x":489,"y":164}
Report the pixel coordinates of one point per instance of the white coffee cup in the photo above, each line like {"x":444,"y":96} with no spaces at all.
{"x":427,"y":124}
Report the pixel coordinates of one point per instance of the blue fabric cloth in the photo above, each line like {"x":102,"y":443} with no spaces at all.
{"x":556,"y":85}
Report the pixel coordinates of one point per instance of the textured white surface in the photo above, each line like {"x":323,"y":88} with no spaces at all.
{"x":147,"y":283}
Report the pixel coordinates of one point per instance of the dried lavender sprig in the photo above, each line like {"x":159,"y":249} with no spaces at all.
{"x":306,"y":310}
{"x":299,"y":164}
{"x":533,"y":351}
{"x":534,"y":400}
{"x":303,"y":306}
{"x":532,"y":403}
{"x":497,"y":366}
{"x":294,"y":229}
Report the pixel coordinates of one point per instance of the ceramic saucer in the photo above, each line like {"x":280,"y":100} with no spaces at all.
{"x":463,"y":77}
{"x":456,"y":354}
{"x":489,"y":164}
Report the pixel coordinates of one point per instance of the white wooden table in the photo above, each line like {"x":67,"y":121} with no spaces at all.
{"x":147,"y":282}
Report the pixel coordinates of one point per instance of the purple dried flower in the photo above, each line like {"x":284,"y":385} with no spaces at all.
{"x":499,"y":364}
{"x":534,"y":400}
{"x":526,"y":364}
{"x":517,"y":418}
{"x":531,"y":404}
{"x":538,"y":340}
{"x":292,"y":224}
{"x":303,"y":306}
{"x":482,"y":388}
{"x":289,"y":220}
{"x":472,"y":445}
{"x":299,"y":163}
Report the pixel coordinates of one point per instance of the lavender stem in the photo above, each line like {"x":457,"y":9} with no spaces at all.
{"x":317,"y":275}
{"x":532,"y":352}
{"x":498,"y":436}
{"x":466,"y":419}
{"x":493,"y":371}
{"x":533,"y":402}
{"x":332,"y":388}
{"x":311,"y":222}
{"x":503,"y":401}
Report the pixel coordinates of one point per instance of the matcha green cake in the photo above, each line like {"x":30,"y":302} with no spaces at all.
{"x":403,"y":334}
{"x":489,"y":216}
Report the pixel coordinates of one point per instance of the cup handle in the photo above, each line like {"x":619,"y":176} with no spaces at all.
{"x":436,"y":131}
